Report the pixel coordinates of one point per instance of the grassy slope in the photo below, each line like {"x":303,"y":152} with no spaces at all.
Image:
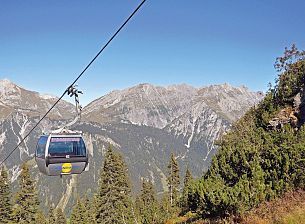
{"x":288,"y":209}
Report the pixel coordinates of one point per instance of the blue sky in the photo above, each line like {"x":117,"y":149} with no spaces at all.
{"x":45,"y":44}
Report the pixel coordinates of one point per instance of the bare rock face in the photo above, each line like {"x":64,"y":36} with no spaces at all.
{"x":197,"y":116}
{"x":143,"y":104}
{"x":287,"y":115}
{"x":157,"y":106}
{"x":228,"y":101}
{"x":293,"y":115}
{"x":14,"y":98}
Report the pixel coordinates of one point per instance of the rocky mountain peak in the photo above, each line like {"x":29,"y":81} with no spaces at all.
{"x":47,"y":96}
{"x":157,"y":106}
{"x":143,"y":104}
{"x":232,"y":102}
{"x":15,"y":98}
{"x":6,"y":83}
{"x":8,"y":89}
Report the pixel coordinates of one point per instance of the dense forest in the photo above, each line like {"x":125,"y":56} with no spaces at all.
{"x":258,"y":160}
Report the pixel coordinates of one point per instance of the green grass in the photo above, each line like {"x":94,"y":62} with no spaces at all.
{"x":295,"y":217}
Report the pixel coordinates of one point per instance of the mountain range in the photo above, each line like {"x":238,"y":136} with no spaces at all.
{"x":145,"y":123}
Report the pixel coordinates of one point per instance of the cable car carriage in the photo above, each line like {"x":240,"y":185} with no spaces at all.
{"x":63,"y":151}
{"x":60,"y":153}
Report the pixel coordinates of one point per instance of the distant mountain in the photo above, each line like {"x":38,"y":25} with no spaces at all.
{"x":212,"y":111}
{"x":157,"y":106}
{"x":15,"y":98}
{"x":143,"y":104}
{"x":194,"y":116}
{"x":231,"y":102}
{"x":145,"y":123}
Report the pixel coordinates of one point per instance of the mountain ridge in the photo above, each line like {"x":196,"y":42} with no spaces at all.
{"x":159,"y":95}
{"x":144,"y":122}
{"x":15,"y":98}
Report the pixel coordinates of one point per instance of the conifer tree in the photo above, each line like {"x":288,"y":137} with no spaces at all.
{"x":113,"y":201}
{"x":83,"y":212}
{"x":148,"y":194}
{"x":173,"y":181}
{"x":26,"y":199}
{"x":89,"y":215}
{"x":60,"y":217}
{"x":165,"y":210}
{"x":188,"y":177}
{"x":77,"y":215}
{"x":40,"y":218}
{"x":5,"y":197}
{"x":52,"y":216}
{"x":148,"y":202}
{"x":187,"y":180}
{"x":138,"y":205}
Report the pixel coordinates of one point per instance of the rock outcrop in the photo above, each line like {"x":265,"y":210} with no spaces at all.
{"x":293,"y":115}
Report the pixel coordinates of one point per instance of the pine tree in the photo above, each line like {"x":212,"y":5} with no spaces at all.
{"x":83,"y":212}
{"x":187,"y":180}
{"x":52,"y":216}
{"x":173,"y":181}
{"x":26,"y":199}
{"x":40,"y":218}
{"x":138,"y":205}
{"x":113,"y":201}
{"x":166,"y":210}
{"x":148,"y":194}
{"x":88,"y":211}
{"x":5,"y":197}
{"x":148,"y":203}
{"x":77,"y":215}
{"x":60,"y":217}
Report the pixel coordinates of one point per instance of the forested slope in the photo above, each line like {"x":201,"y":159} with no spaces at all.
{"x":263,"y":156}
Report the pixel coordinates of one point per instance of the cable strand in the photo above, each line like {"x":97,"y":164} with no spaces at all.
{"x":113,"y":36}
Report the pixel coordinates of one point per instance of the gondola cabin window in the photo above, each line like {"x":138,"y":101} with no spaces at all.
{"x":41,"y":146}
{"x":62,"y":146}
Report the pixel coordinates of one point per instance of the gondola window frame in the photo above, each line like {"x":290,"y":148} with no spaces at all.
{"x":41,"y":146}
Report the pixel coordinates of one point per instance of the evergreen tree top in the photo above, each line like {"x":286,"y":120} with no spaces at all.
{"x":148,"y":195}
{"x":113,"y":200}
{"x":52,"y":216}
{"x":60,"y":217}
{"x":5,"y":197}
{"x":188,"y":177}
{"x":26,"y":199}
